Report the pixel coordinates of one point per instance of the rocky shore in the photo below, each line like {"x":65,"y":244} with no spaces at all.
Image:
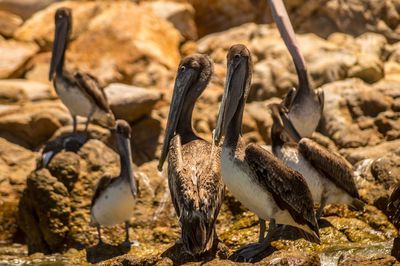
{"x":352,"y":51}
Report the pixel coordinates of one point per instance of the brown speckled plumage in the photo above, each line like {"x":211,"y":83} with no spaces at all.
{"x":393,"y":207}
{"x":333,"y":166}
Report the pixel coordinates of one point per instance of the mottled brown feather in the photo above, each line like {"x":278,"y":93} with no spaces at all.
{"x":393,"y":207}
{"x":333,"y":166}
{"x":103,"y":183}
{"x":288,"y":187}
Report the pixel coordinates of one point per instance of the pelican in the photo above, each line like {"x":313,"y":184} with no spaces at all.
{"x":328,"y":175}
{"x":303,"y":106}
{"x":393,"y":206}
{"x":79,"y":92}
{"x":114,"y":198}
{"x":194,"y":176}
{"x":259,"y":180}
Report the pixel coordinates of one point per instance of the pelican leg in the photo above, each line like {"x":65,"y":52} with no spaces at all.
{"x":127,"y":232}
{"x":321,"y":208}
{"x":74,"y":123}
{"x":89,"y":118}
{"x":262,"y":230}
{"x":99,"y":234}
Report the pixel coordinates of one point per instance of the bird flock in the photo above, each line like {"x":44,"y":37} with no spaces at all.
{"x":288,"y":187}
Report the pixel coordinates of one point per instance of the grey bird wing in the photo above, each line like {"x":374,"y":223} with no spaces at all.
{"x":333,"y":166}
{"x":393,"y":206}
{"x":103,"y":183}
{"x":288,"y":187}
{"x":91,"y":87}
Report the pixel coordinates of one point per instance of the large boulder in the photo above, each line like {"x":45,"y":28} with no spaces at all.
{"x":9,"y":22}
{"x":20,"y":90}
{"x":129,"y":102}
{"x":13,"y":57}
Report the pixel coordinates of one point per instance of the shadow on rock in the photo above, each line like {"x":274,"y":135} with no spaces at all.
{"x":179,"y":256}
{"x":103,"y":251}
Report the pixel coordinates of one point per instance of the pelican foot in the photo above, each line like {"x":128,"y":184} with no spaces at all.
{"x":253,"y":252}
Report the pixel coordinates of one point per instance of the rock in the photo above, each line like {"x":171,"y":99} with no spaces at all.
{"x":15,"y":165}
{"x":13,"y":57}
{"x":345,"y":102}
{"x":129,"y":102}
{"x":368,"y":68}
{"x":392,"y":71}
{"x":354,"y":155}
{"x":358,"y":260}
{"x":33,"y":123}
{"x":40,"y":27}
{"x":291,"y":258}
{"x":181,"y":15}
{"x":24,"y":8}
{"x":38,"y":68}
{"x":375,"y":178}
{"x":22,"y":90}
{"x":9,"y":22}
{"x":144,"y":38}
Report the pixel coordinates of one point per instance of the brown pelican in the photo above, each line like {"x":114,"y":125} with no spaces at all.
{"x":194,"y":176}
{"x":393,"y":206}
{"x":329,"y":176}
{"x":304,"y":106}
{"x":114,"y":197}
{"x":256,"y":177}
{"x":79,"y":92}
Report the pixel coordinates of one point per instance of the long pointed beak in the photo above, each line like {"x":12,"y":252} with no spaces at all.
{"x":233,"y":92}
{"x":289,"y":128}
{"x":60,"y":45}
{"x":125,"y":149}
{"x":182,"y":84}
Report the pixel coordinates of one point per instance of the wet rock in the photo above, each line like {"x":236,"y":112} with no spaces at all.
{"x":9,"y":22}
{"x":20,"y":90}
{"x":13,"y":57}
{"x":33,"y":123}
{"x":291,"y":258}
{"x":131,"y":103}
{"x":357,"y":260}
{"x":181,"y":15}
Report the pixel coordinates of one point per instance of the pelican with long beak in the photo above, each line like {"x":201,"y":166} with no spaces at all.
{"x":303,"y":106}
{"x":194,"y":176}
{"x":79,"y":92}
{"x":114,"y":198}
{"x":259,"y":180}
{"x":328,"y":175}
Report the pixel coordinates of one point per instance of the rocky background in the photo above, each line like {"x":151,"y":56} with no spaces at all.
{"x":352,"y":50}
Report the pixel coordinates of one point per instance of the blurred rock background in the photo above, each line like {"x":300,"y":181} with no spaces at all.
{"x":352,"y":50}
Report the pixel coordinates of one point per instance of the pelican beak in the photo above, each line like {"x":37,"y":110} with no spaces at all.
{"x":61,"y":36}
{"x":233,"y":94}
{"x":289,"y":128}
{"x":125,"y":151}
{"x":183,"y":82}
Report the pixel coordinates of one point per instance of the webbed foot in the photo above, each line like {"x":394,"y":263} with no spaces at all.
{"x":252,"y":252}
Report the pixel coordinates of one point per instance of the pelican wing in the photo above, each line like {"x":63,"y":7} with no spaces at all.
{"x":103,"y":183}
{"x":91,"y":87}
{"x":333,"y":166}
{"x":287,"y":187}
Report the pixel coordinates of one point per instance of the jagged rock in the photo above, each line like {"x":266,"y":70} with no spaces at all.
{"x":13,"y":57}
{"x":355,"y":155}
{"x":131,"y":103}
{"x":33,"y":123}
{"x":9,"y":22}
{"x":181,"y":15}
{"x":358,"y":260}
{"x":20,"y":90}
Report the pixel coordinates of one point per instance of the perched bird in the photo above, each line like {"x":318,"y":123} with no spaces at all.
{"x":259,"y":180}
{"x":393,"y":207}
{"x":114,"y":197}
{"x":303,"y":106}
{"x":329,"y":176}
{"x":79,"y":92}
{"x":194,"y":176}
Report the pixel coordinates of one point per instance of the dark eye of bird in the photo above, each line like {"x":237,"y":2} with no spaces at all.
{"x":183,"y":68}
{"x":237,"y":56}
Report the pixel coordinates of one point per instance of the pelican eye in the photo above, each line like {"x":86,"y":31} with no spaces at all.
{"x":237,"y":56}
{"x":183,"y":68}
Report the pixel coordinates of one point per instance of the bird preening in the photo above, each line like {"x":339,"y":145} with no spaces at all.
{"x":288,"y":186}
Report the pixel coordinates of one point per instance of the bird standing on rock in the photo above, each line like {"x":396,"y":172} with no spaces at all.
{"x":259,"y":180}
{"x":194,"y":176}
{"x":329,"y":176}
{"x":79,"y":92}
{"x":114,"y":197}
